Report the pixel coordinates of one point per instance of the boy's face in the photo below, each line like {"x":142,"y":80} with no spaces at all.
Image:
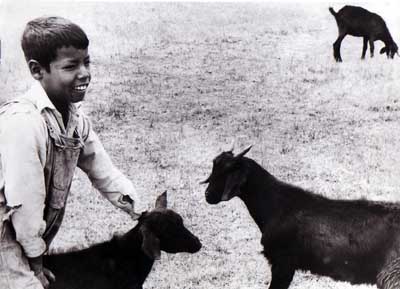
{"x":69,"y":76}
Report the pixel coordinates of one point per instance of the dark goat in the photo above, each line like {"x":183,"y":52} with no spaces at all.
{"x":357,"y":21}
{"x":349,"y":240}
{"x":124,"y":262}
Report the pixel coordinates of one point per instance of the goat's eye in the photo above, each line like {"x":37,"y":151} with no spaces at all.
{"x":178,"y":222}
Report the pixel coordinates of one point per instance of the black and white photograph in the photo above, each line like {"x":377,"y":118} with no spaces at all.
{"x":199,"y":144}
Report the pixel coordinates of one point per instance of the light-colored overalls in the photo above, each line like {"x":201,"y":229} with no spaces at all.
{"x":62,"y":158}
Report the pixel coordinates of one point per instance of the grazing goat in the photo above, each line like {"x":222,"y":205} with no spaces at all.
{"x":124,"y":262}
{"x":357,"y":21}
{"x":350,"y":240}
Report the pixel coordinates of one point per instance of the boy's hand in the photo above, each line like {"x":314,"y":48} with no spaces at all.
{"x":128,"y":205}
{"x":45,"y":277}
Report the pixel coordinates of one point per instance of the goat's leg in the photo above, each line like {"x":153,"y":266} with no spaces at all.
{"x":365,"y":46}
{"x":371,"y":47}
{"x":282,"y":275}
{"x":336,"y":47}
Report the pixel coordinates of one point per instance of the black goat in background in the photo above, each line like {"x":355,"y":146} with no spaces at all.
{"x":124,"y":262}
{"x":349,"y":240}
{"x":357,"y":21}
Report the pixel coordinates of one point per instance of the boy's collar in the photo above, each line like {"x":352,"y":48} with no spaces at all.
{"x":37,"y":95}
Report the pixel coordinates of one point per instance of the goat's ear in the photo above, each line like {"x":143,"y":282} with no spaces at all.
{"x":233,"y":183}
{"x":245,"y":151}
{"x":383,"y":50}
{"x":161,"y":202}
{"x":150,"y":244}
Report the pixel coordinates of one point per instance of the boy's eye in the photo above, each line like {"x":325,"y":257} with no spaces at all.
{"x":71,"y":66}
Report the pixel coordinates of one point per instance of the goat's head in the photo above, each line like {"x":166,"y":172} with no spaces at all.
{"x":390,"y":50}
{"x":163,"y":230}
{"x":227,"y":177}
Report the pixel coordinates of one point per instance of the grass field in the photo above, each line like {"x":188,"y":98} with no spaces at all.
{"x":173,"y":85}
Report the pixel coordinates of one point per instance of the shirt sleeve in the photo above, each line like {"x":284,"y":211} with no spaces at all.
{"x":105,"y":177}
{"x":23,"y":156}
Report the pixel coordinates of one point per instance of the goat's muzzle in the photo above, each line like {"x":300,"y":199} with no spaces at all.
{"x":196,"y":246}
{"x":211,"y":198}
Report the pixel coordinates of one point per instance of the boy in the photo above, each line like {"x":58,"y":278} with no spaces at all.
{"x":43,"y":137}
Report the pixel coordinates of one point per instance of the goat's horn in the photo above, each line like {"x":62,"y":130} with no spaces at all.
{"x":245,"y":151}
{"x":205,"y":181}
{"x":232,"y":146}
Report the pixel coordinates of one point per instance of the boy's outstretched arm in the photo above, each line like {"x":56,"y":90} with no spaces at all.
{"x":105,"y":177}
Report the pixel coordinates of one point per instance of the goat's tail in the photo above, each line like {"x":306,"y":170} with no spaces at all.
{"x":332,"y":11}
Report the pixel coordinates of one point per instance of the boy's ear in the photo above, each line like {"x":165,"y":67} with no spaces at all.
{"x":36,"y":69}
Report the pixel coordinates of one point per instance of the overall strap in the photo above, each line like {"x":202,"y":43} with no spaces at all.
{"x":62,"y":158}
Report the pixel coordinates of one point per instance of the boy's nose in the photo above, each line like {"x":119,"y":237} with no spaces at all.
{"x":84,"y":72}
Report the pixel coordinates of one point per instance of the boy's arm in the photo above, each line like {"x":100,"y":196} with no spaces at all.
{"x":44,"y":275}
{"x":105,"y":177}
{"x":23,"y":154}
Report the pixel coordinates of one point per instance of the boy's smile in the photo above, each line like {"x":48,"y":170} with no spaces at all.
{"x":68,"y":78}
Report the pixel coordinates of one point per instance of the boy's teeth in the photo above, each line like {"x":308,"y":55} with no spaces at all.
{"x":80,"y":87}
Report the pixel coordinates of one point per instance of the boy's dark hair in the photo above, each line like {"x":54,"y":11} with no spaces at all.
{"x":44,"y":35}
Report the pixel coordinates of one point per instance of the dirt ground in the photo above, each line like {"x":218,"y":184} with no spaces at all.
{"x":173,"y":85}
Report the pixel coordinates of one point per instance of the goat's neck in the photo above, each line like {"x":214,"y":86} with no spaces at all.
{"x":254,"y":194}
{"x":387,"y":38}
{"x":133,"y":255}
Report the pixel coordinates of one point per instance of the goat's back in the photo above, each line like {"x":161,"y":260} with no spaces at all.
{"x":360,"y":22}
{"x":97,"y":267}
{"x":344,"y":239}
